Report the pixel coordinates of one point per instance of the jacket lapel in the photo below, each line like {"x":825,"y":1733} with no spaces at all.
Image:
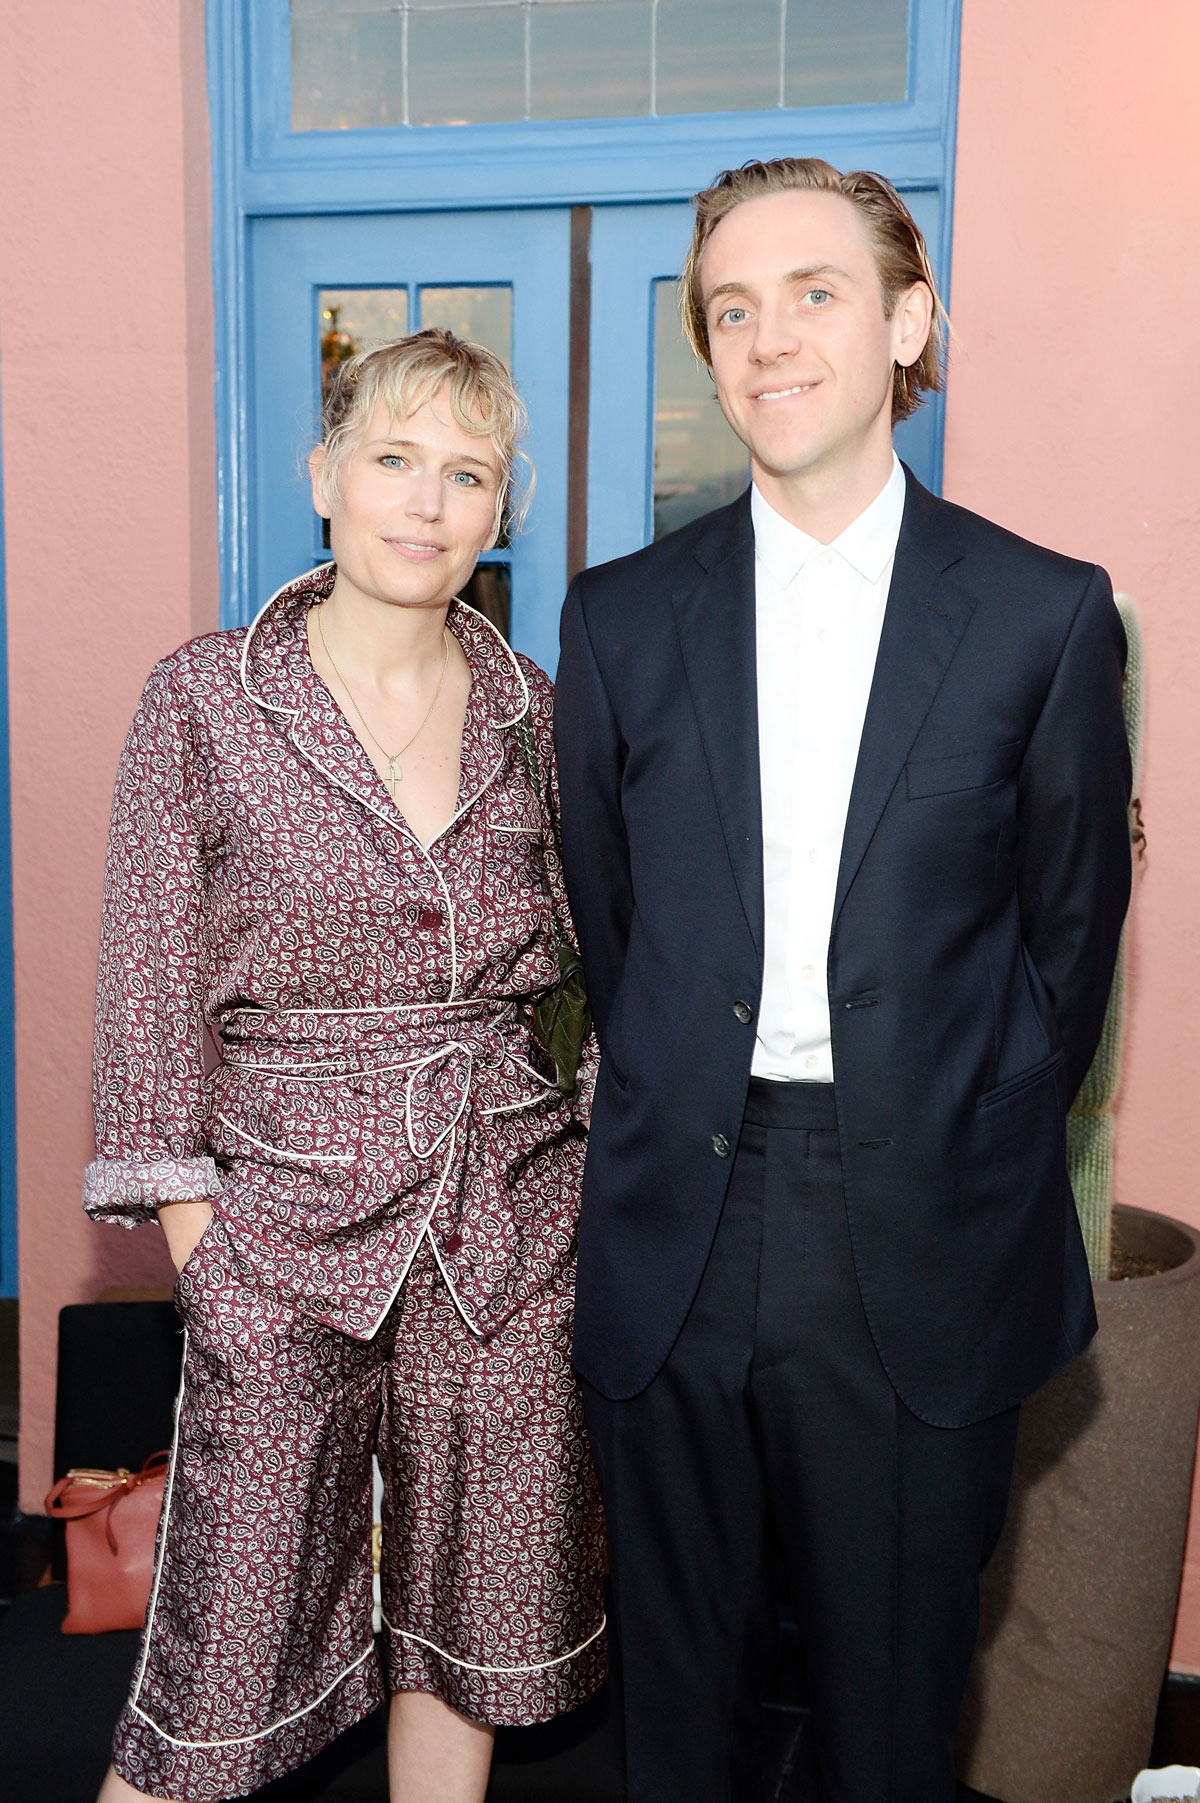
{"x":926,"y":615}
{"x":715,"y":617}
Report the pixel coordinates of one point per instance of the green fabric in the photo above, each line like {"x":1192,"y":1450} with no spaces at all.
{"x":1090,"y":1121}
{"x":562,"y":1016}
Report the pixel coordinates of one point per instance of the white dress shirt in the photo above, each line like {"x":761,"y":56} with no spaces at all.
{"x":819,"y":614}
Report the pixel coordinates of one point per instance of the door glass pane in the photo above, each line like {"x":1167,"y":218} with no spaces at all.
{"x":854,"y":51}
{"x":482,"y":314}
{"x":590,"y":59}
{"x":357,"y":319}
{"x":465,"y":65}
{"x":698,"y":463}
{"x":716,"y":58}
{"x":460,"y":62}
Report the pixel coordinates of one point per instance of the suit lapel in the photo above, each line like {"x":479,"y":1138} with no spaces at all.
{"x":715,"y":617}
{"x":926,"y":615}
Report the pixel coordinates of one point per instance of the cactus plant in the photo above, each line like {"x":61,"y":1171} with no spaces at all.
{"x":1090,"y":1121}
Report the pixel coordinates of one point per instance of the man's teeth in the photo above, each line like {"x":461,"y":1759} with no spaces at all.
{"x":781,"y":394}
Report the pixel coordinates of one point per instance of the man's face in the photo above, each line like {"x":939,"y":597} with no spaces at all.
{"x":802,"y":352}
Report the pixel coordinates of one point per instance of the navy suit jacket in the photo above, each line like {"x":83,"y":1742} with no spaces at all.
{"x":983,"y":882}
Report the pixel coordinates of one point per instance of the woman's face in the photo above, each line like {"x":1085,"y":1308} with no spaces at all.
{"x":417,"y":504}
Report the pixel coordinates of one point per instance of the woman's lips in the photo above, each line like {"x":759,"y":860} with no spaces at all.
{"x":416,"y":550}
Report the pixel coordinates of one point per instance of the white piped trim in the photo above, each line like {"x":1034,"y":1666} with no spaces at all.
{"x":422,"y":1230}
{"x":245,"y":1740}
{"x":283,"y":1154}
{"x":540,"y":1665}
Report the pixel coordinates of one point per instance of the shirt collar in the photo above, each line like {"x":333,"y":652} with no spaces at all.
{"x":277,"y":671}
{"x":868,"y":543}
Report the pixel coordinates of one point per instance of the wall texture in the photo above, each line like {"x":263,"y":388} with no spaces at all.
{"x":1072,"y":417}
{"x":106,"y":358}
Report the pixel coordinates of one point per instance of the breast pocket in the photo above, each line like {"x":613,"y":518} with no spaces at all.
{"x":514,"y":865}
{"x":962,"y":770}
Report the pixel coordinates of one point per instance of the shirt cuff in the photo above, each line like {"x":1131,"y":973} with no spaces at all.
{"x":115,"y":1189}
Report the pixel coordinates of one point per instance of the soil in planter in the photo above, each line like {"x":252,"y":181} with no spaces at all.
{"x":1124,"y":1262}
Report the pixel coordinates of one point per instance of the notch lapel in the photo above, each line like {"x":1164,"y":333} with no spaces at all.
{"x":926,"y":615}
{"x":715,"y":619}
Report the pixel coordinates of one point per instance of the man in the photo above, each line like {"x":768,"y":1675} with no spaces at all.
{"x":844,"y":789}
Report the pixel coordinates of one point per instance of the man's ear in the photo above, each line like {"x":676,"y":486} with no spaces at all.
{"x":316,"y":472}
{"x":912,"y":323}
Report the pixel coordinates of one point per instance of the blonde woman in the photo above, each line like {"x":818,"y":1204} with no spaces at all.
{"x":329,"y":848}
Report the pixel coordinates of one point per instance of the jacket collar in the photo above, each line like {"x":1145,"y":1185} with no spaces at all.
{"x":926,"y":615}
{"x":277,"y":673}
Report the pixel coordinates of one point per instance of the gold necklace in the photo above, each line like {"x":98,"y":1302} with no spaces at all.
{"x":395,"y":774}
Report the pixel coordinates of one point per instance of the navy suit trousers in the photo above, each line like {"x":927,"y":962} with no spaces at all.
{"x":772,"y":1440}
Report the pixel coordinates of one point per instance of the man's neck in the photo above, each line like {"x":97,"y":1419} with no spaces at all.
{"x":824,"y":501}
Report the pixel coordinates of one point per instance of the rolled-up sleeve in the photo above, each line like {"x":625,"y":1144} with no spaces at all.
{"x":148,"y":1067}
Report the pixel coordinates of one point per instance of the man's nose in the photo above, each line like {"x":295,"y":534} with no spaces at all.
{"x":775,"y":334}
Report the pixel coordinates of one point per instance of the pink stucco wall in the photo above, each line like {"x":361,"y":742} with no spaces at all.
{"x":1073,"y":416}
{"x":106,"y":358}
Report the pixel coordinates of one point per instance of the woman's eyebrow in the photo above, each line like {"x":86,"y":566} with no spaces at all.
{"x":410,"y":444}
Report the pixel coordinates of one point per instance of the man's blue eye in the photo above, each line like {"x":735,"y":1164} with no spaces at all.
{"x":735,"y":315}
{"x":818,"y":294}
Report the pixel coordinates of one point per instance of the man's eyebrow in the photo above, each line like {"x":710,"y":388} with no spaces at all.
{"x":793,"y":275}
{"x":814,"y":269}
{"x":410,"y":444}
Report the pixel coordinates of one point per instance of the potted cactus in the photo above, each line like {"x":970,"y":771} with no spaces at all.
{"x":1079,"y":1601}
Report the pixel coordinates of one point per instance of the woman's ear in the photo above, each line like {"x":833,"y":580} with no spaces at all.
{"x":316,"y":472}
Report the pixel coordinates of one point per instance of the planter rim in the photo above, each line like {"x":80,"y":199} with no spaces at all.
{"x":1177,"y":1274}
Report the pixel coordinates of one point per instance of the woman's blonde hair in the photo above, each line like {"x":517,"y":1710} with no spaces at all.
{"x":410,"y":372}
{"x":900,"y":254}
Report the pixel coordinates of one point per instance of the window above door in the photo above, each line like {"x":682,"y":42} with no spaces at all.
{"x":436,"y":103}
{"x":359,"y":64}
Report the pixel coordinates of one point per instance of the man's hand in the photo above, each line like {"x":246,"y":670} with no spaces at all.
{"x":184,"y":1224}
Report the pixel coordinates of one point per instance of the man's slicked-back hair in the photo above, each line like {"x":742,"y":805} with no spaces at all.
{"x":899,"y":247}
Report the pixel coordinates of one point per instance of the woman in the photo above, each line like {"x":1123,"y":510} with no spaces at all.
{"x":371,"y":1200}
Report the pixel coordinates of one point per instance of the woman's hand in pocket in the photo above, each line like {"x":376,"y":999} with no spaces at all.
{"x":184,"y":1224}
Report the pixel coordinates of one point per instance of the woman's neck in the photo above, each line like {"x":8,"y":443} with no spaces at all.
{"x":382,"y":639}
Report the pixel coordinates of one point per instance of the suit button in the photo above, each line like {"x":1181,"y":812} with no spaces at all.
{"x":720,"y":1145}
{"x":744,"y":1012}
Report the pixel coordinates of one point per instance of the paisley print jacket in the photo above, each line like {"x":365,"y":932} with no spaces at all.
{"x":374,"y":1083}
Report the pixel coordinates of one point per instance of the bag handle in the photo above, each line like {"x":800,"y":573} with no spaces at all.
{"x":85,"y":1492}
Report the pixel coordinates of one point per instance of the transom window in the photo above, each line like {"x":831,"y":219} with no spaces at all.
{"x":359,"y":63}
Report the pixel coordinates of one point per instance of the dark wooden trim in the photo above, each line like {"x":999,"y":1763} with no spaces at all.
{"x":579,"y":389}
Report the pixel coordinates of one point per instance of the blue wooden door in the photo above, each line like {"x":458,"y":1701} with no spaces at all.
{"x":401,"y":271}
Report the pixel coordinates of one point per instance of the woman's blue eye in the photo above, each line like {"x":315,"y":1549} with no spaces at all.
{"x":465,"y":478}
{"x":392,"y":461}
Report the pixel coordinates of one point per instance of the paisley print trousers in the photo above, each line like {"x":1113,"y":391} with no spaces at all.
{"x":258,"y":1647}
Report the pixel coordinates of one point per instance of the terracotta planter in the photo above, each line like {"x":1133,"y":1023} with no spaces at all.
{"x":1079,"y":1601}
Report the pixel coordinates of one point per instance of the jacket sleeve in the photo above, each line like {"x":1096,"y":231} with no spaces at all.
{"x":591,"y":759}
{"x":1073,"y":818}
{"x":148,"y":1064}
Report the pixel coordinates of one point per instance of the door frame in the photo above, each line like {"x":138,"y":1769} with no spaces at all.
{"x":261,"y":167}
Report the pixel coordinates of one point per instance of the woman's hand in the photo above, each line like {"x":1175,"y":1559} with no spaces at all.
{"x":184,"y":1224}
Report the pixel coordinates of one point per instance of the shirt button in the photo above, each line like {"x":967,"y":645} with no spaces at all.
{"x":720,"y":1145}
{"x":822,"y":634}
{"x":812,"y":856}
{"x":810,"y":1063}
{"x":806,"y":971}
{"x":744,"y":1012}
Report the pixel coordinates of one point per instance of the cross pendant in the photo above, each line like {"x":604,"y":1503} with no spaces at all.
{"x":395,"y":774}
